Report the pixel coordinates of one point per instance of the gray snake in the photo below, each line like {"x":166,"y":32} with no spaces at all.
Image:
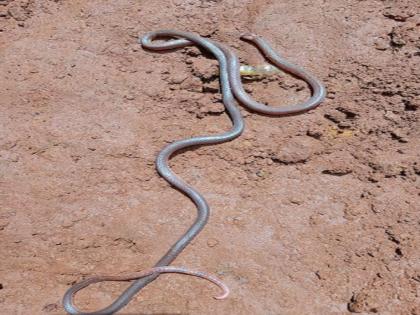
{"x":231,"y":89}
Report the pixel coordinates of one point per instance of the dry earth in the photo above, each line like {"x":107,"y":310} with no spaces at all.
{"x":312,"y":214}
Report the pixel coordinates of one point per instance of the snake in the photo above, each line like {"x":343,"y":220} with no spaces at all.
{"x":232,"y":92}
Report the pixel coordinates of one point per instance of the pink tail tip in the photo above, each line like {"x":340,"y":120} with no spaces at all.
{"x":224,"y":295}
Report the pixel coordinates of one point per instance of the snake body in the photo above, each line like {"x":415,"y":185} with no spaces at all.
{"x":138,"y":275}
{"x":231,"y":89}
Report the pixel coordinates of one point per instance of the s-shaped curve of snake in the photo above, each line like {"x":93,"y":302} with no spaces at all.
{"x":231,"y":89}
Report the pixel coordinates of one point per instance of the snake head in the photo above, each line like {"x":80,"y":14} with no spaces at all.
{"x":249,"y":36}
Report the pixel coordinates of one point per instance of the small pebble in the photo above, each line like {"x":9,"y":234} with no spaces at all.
{"x":212,"y":242}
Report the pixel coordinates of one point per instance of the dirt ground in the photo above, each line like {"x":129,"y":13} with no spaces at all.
{"x":312,"y":214}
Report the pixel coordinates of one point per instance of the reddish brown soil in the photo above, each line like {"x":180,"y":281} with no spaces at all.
{"x":312,"y":214}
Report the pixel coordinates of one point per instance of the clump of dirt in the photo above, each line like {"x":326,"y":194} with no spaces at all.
{"x":18,"y":11}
